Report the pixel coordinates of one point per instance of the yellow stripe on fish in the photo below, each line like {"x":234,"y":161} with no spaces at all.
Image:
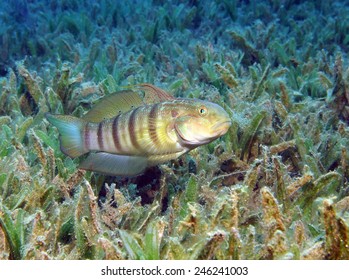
{"x":129,"y":131}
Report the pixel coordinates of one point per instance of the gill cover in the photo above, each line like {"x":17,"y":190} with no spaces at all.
{"x":193,"y":130}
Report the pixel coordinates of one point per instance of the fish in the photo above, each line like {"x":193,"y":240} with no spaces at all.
{"x":128,"y":131}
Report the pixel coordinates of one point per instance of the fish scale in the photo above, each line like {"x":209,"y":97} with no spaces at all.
{"x":126,"y":133}
{"x":132,"y":133}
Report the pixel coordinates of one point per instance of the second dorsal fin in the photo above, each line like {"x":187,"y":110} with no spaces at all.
{"x":153,"y":94}
{"x":113,"y":105}
{"x":125,"y":100}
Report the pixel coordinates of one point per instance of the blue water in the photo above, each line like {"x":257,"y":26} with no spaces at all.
{"x":33,"y":29}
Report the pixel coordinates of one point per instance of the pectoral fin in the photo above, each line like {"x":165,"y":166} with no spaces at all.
{"x":157,"y":159}
{"x":115,"y":165}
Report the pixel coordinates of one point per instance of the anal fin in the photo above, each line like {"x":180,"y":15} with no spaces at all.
{"x":115,"y":165}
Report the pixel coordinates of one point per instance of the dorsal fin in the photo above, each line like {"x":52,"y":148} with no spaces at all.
{"x":123,"y":101}
{"x":153,"y":94}
{"x":114,"y":104}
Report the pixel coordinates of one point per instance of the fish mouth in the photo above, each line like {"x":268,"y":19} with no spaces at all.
{"x":221,"y":128}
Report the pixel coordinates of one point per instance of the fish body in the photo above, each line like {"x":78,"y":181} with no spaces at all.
{"x":124,"y":133}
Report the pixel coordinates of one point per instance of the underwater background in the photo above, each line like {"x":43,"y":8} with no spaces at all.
{"x":274,"y":187}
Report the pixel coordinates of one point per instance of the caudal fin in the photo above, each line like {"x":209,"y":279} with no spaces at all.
{"x":71,"y":137}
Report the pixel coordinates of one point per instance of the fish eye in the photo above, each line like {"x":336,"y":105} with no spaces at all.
{"x":203,"y":110}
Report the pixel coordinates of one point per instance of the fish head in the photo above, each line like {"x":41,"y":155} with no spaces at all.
{"x":201,"y":122}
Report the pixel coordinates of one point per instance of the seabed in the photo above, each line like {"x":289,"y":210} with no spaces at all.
{"x":274,"y":187}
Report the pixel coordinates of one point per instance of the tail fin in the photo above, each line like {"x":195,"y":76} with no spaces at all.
{"x":71,"y":136}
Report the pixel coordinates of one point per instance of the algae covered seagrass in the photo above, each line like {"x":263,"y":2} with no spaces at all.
{"x":274,"y":187}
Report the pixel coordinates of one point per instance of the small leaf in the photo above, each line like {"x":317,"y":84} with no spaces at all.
{"x":132,"y":247}
{"x":190,"y":195}
{"x":330,"y":180}
{"x":153,"y":236}
{"x":250,"y":132}
{"x":3,"y":177}
{"x":49,"y":141}
{"x":10,"y":229}
{"x":22,"y":130}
